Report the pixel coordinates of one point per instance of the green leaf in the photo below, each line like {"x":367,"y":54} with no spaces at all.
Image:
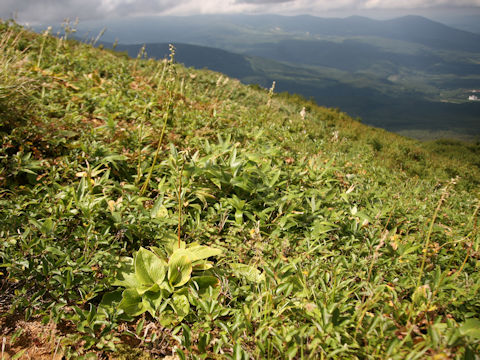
{"x":237,"y":352}
{"x":203,"y":282}
{"x":200,"y":252}
{"x":132,"y":303}
{"x":247,"y":272}
{"x":148,"y":306}
{"x":239,"y":217}
{"x":149,"y":268}
{"x":142,"y":289}
{"x":47,"y":226}
{"x":206,"y":287}
{"x":113,"y":158}
{"x":157,"y":251}
{"x":180,"y":305}
{"x":201,"y":265}
{"x":172,"y":245}
{"x":54,"y":250}
{"x":187,"y":335}
{"x":181,"y":354}
{"x":179,"y":269}
{"x":110,"y":300}
{"x":125,"y":274}
{"x":154,"y":298}
{"x":166,"y":287}
{"x":167,"y":318}
{"x":471,"y":327}
{"x":202,"y":343}
{"x":18,"y":355}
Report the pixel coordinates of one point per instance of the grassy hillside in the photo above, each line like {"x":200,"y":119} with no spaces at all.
{"x":396,"y":85}
{"x":410,"y":75}
{"x":149,"y":210}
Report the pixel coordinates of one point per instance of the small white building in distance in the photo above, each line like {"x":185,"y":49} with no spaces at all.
{"x":473,"y":98}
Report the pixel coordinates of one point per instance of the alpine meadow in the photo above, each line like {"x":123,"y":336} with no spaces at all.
{"x":149,"y":210}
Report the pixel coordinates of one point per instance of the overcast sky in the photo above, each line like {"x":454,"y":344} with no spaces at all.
{"x":48,"y":11}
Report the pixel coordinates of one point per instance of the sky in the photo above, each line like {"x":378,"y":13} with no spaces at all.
{"x":55,"y":11}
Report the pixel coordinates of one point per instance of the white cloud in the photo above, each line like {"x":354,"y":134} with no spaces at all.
{"x":188,"y":7}
{"x":36,"y":11}
{"x":416,"y":4}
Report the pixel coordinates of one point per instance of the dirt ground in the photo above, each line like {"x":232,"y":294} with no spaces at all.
{"x":31,"y":339}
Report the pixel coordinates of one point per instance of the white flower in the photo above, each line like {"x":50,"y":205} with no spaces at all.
{"x":303,"y":113}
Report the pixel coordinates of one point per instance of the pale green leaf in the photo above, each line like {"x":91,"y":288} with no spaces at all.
{"x":247,"y":272}
{"x":179,"y":269}
{"x":149,"y":268}
{"x":180,"y":305}
{"x":18,"y":355}
{"x":471,"y":327}
{"x":200,"y":252}
{"x":167,"y":318}
{"x":125,"y":274}
{"x":172,"y":245}
{"x":142,"y":289}
{"x":132,"y":303}
{"x":201,"y":265}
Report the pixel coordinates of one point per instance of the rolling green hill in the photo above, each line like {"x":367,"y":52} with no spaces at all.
{"x":151,"y":210}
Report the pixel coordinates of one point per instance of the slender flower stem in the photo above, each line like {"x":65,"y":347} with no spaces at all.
{"x":149,"y":176}
{"x":180,"y":205}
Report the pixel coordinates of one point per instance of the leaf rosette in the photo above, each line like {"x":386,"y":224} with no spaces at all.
{"x":158,"y":282}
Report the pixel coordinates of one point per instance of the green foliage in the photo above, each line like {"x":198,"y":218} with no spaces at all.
{"x":158,"y":285}
{"x":321,"y":222}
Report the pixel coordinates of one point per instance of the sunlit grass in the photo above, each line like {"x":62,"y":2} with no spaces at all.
{"x":338,"y":240}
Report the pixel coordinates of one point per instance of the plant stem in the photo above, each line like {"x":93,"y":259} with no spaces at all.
{"x":180,"y":205}
{"x":147,"y":180}
{"x":429,"y":234}
{"x":473,"y":233}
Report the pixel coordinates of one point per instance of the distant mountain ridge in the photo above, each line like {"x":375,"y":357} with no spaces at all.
{"x":201,"y":30}
{"x":470,"y":23}
{"x":196,"y":56}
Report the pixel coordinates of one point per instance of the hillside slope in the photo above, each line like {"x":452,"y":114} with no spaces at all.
{"x":147,"y":210}
{"x":376,"y":101}
{"x":410,"y":75}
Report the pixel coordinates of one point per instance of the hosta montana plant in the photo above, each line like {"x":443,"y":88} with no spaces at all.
{"x":163,"y":283}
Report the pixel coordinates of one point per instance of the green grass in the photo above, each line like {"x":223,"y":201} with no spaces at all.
{"x":338,"y":240}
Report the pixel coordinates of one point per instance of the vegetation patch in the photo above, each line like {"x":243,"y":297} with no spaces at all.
{"x":149,"y":210}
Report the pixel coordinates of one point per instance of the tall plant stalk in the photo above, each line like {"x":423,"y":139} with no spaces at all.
{"x":166,"y":116}
{"x":179,"y":229}
{"x":154,"y":162}
{"x":430,"y":229}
